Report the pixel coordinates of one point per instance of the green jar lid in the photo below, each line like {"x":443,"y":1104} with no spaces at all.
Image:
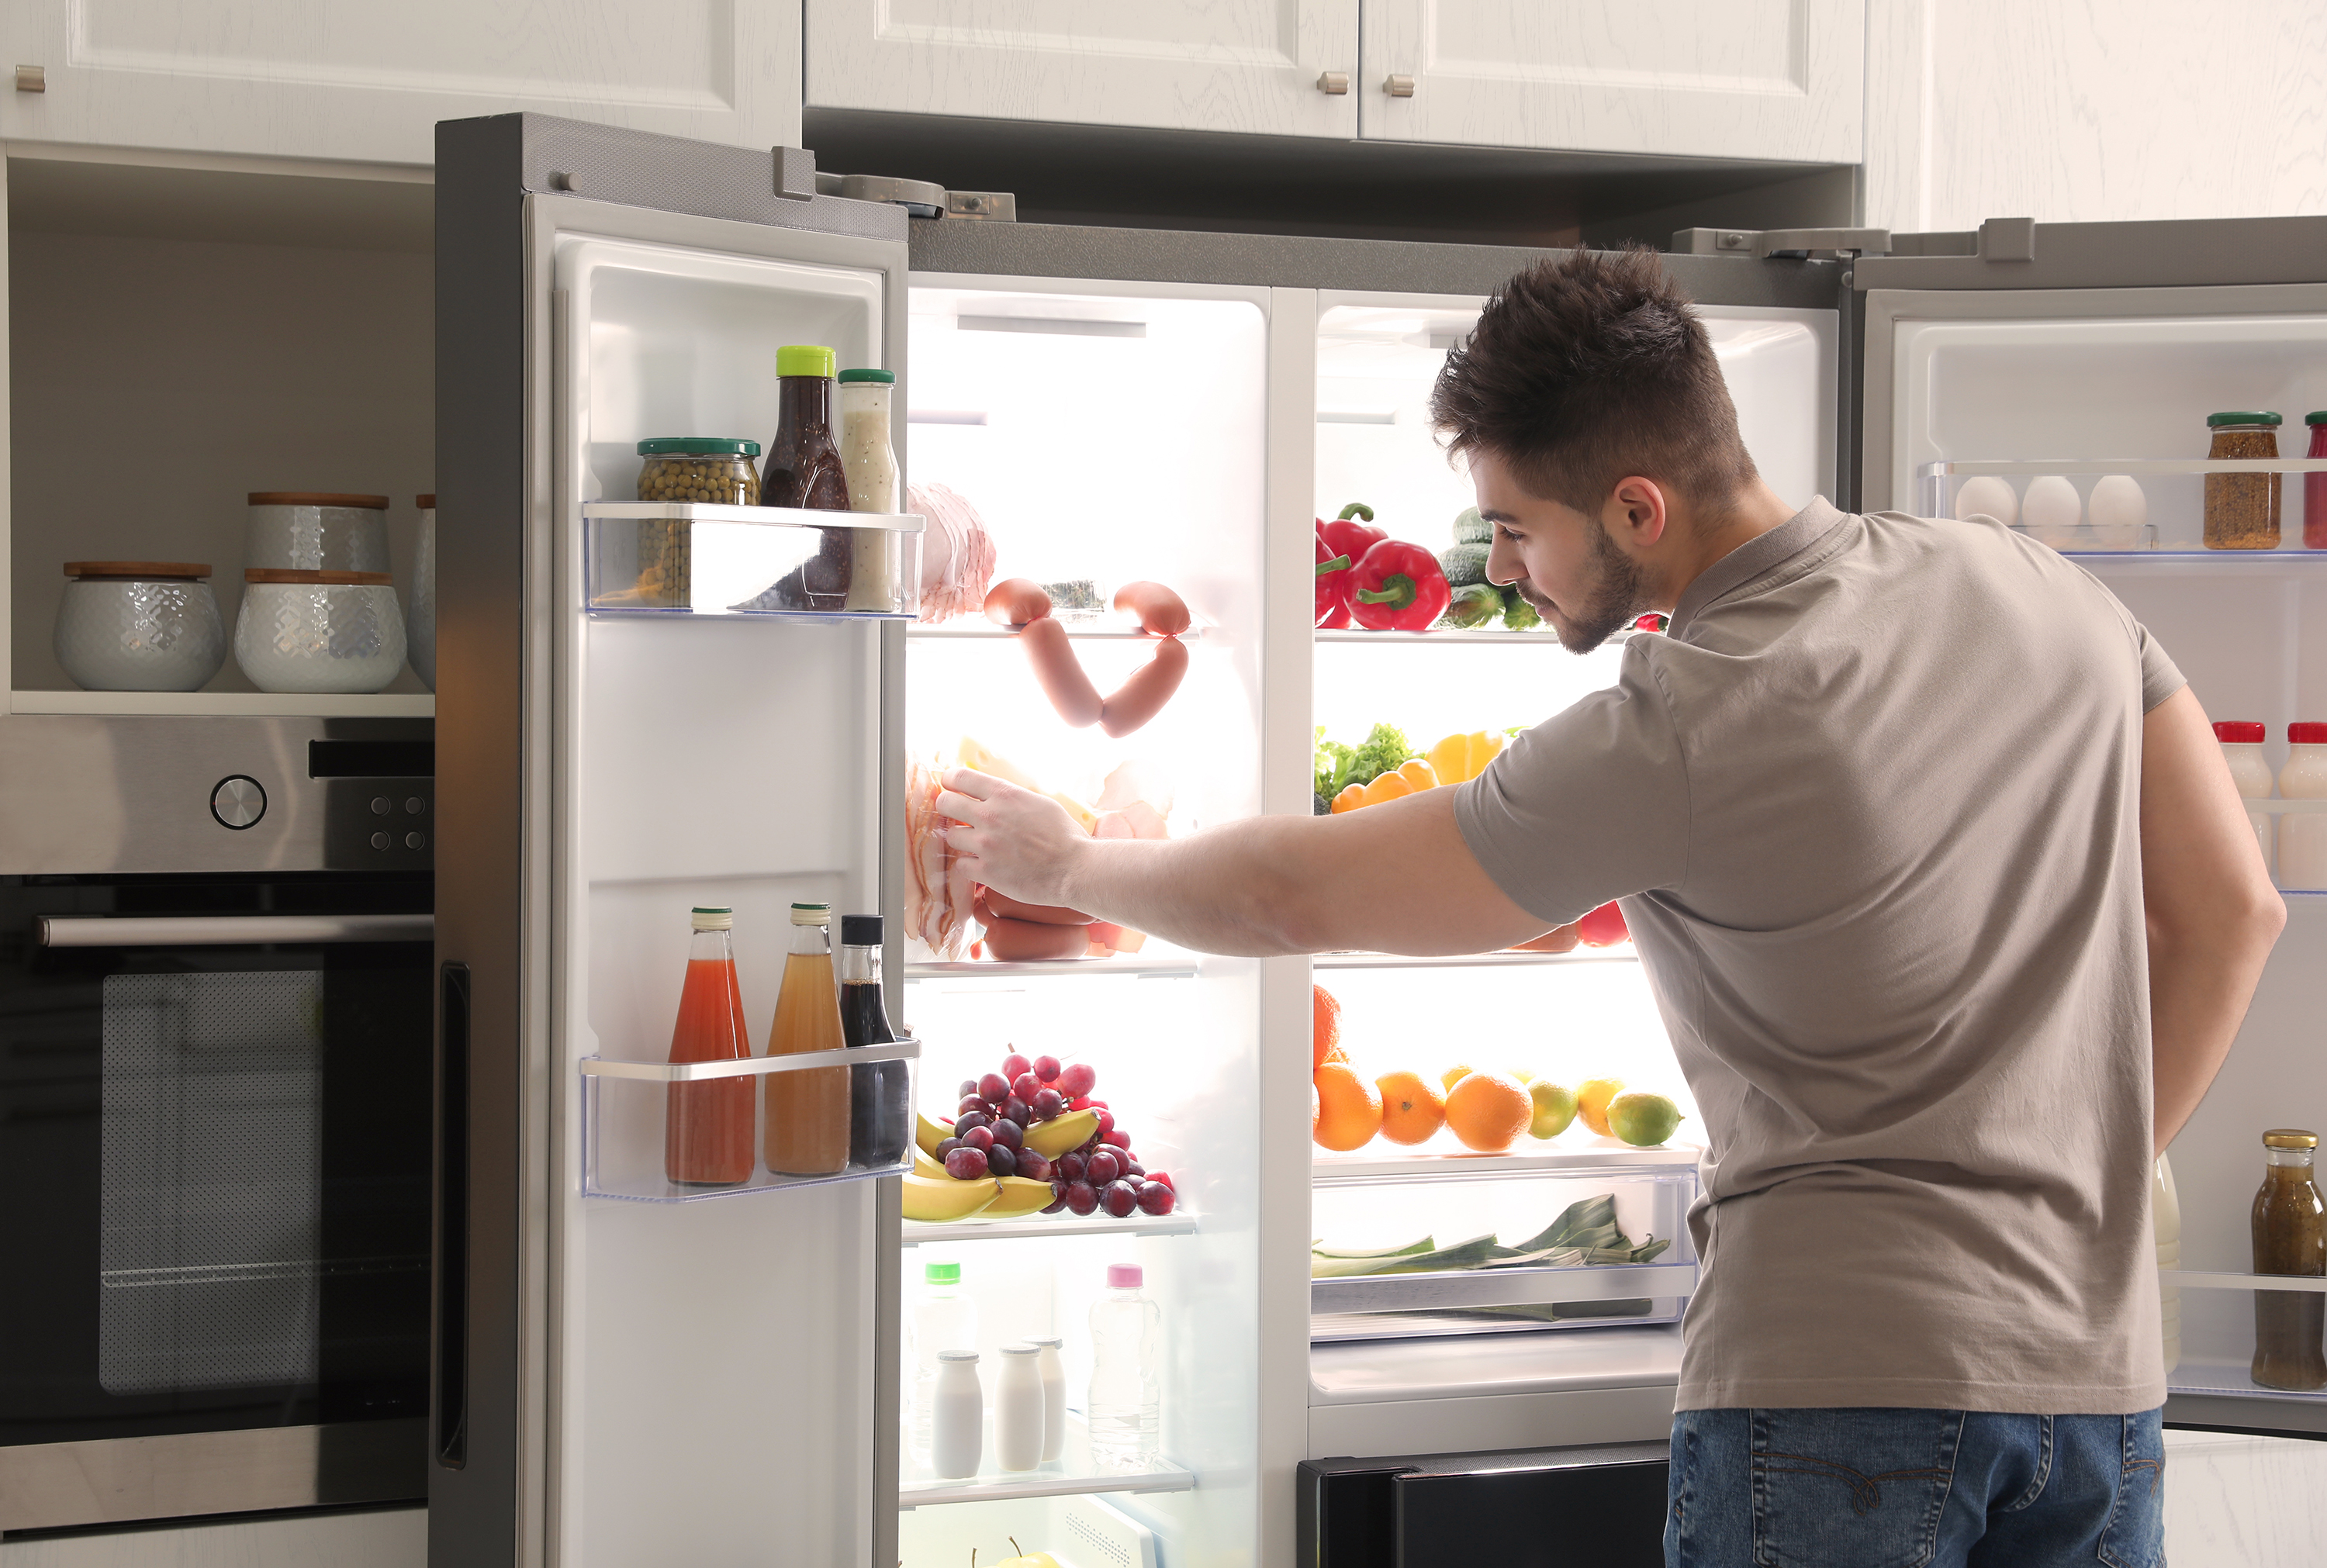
{"x":698,"y":446}
{"x":804,"y":360}
{"x":2236,"y":417}
{"x":884,"y":377}
{"x":2317,"y":416}
{"x":941,"y":1273}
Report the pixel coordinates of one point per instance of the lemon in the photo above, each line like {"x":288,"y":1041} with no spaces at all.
{"x":1642,"y":1120}
{"x":1455,"y":1074}
{"x":1526,"y":1075}
{"x":1592,"y":1097}
{"x":1555,"y":1108}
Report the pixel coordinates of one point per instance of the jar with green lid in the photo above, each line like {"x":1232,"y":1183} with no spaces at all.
{"x":2242,"y":508}
{"x":703,"y":470}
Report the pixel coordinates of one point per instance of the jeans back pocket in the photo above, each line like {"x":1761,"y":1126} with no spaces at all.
{"x":1851,"y":1489}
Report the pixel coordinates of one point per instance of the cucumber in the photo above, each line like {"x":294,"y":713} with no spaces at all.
{"x":1463,"y":565}
{"x":1471,"y":528}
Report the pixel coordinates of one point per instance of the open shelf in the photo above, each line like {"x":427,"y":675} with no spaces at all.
{"x":1601,"y":1155}
{"x":768,"y":563}
{"x":1473,"y":960}
{"x":1177,"y":1222}
{"x":1502,"y":1287}
{"x":974,"y":968}
{"x":1070,"y":1475}
{"x":229,"y":704}
{"x":1445,"y":634}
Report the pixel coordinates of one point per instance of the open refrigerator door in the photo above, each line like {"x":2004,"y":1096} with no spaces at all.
{"x":665,"y":1319}
{"x":2135,"y":396}
{"x":1501,"y":1256}
{"x":1074,"y":438}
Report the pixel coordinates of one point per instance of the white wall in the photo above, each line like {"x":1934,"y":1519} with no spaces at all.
{"x":2093,"y":110}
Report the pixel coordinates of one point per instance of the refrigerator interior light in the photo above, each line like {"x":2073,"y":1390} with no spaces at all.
{"x":1067,"y":326}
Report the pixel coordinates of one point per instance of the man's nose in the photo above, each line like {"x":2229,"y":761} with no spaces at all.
{"x":1503,"y":567}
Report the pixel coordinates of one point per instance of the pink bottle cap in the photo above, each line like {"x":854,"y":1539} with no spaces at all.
{"x":1124,"y":1277}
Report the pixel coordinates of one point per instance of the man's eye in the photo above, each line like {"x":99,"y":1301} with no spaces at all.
{"x":1506,"y":533}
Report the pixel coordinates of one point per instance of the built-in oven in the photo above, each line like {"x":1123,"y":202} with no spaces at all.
{"x":215,"y":1119}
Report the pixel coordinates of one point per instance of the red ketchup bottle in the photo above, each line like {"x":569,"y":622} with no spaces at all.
{"x":2315,"y":486}
{"x":706,"y":1137}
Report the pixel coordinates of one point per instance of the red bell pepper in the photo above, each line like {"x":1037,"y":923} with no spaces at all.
{"x":1332,"y":586}
{"x":1398,"y":587}
{"x":1345,"y":538}
{"x":1603,"y":927}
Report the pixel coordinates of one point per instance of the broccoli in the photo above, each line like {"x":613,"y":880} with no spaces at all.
{"x":1338,"y":766}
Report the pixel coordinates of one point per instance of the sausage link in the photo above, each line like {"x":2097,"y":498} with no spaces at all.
{"x":1161,"y":611}
{"x":1008,"y":908}
{"x":1151,"y":686}
{"x":1060,"y":673}
{"x":1015,"y":601}
{"x":1014,"y":941}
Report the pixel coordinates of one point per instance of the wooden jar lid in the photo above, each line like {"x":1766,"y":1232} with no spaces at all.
{"x":316,"y":498}
{"x":147,"y":571}
{"x":426,"y":503}
{"x":334,"y":579}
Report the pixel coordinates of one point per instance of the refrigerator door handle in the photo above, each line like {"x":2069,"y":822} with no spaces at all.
{"x":449,"y":1408}
{"x":230,"y":931}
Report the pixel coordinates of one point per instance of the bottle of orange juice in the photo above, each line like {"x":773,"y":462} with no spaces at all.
{"x":706,"y":1137}
{"x":808,"y":1111}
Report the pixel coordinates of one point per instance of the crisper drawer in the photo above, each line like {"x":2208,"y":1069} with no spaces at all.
{"x":1438,"y":1249}
{"x":1563,"y":1507}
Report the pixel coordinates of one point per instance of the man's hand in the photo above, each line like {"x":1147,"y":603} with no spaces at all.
{"x":1016,"y":842}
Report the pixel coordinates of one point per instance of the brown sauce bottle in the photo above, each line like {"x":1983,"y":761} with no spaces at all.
{"x":803,"y":470}
{"x":2290,"y":1237}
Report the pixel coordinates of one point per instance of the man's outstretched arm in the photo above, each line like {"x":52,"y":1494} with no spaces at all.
{"x":2213,"y":912}
{"x":1393,"y":877}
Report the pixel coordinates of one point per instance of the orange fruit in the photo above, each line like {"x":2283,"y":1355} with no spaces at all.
{"x":1452,"y":1074}
{"x":1348,"y":1108}
{"x":1412,"y":1108}
{"x":1325,"y":1027}
{"x":1488,"y":1110}
{"x":1592,"y":1097}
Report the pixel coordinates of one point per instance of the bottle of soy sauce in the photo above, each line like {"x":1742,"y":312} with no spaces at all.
{"x":804,"y":470}
{"x":880,"y":1114}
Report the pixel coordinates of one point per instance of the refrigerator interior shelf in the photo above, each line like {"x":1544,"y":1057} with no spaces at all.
{"x":2285,"y":806}
{"x":2132,"y":468}
{"x":971,"y":969}
{"x":1478,"y":960}
{"x":1446,"y":634}
{"x":672,"y":1072}
{"x":229,"y":704}
{"x":1502,"y":1287}
{"x":693,"y":557}
{"x":2222,"y":563}
{"x":1178,"y":1223}
{"x":2193,"y":1279}
{"x":1336,"y":1170}
{"x":1041,"y":1483}
{"x":2208,"y":1375}
{"x":1093,"y":631}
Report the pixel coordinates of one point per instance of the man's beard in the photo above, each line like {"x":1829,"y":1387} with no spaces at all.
{"x":1615,"y":599}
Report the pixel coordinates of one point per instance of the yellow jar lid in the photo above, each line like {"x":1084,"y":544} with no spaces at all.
{"x":2289,"y":1138}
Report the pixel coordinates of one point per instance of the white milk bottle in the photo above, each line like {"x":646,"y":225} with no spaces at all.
{"x":1018,"y":1426}
{"x":2302,"y":835}
{"x":2241,"y":742}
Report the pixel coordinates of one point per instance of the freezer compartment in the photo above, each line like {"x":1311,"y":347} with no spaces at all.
{"x":843,"y":1115}
{"x":2276,"y":507}
{"x":688,"y":558}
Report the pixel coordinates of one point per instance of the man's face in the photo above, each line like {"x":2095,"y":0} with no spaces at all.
{"x":1561,"y":561}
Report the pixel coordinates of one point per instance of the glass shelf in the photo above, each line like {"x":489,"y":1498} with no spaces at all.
{"x":1601,"y":1156}
{"x":1097,"y":630}
{"x":1071,"y":1475}
{"x":1477,"y":960}
{"x":2131,"y":467}
{"x":2218,"y":1331}
{"x":2172,"y":496}
{"x":1179,"y":1222}
{"x":629,"y":1109}
{"x":1505,"y":1287}
{"x":771,"y":563}
{"x":976,"y":969}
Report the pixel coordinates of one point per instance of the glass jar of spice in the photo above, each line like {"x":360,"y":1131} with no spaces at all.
{"x":2242,"y":508}
{"x":2290,"y":1237}
{"x":2315,"y":486}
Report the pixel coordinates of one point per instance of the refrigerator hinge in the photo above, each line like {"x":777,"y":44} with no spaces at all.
{"x":921,"y":198}
{"x":794,"y":174}
{"x":1788,"y":244}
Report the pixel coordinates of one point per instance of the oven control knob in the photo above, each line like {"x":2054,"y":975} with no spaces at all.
{"x":237,"y":802}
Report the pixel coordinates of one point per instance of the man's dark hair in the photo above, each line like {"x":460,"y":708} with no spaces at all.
{"x":1589,"y":367}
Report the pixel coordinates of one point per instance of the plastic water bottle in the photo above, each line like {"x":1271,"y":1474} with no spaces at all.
{"x":1127,"y":1332}
{"x":944,"y":1319}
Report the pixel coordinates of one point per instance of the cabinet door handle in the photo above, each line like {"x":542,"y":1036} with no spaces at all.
{"x":1333,"y":82}
{"x":1398,"y":85}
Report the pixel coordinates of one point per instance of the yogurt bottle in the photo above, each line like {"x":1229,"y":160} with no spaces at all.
{"x":2302,"y":835}
{"x":2241,"y":742}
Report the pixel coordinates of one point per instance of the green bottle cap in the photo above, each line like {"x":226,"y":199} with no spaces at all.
{"x":698,"y":446}
{"x":2238,"y":417}
{"x":884,"y":377}
{"x":941,"y":1273}
{"x":2318,"y":416}
{"x":804,"y":360}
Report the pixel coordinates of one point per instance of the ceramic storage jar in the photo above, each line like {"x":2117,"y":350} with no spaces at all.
{"x":420,"y":621}
{"x":318,"y":632}
{"x":316,"y":531}
{"x":139,"y":626}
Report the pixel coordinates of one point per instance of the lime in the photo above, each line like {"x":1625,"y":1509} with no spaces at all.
{"x":1555,"y":1108}
{"x":1642,"y":1120}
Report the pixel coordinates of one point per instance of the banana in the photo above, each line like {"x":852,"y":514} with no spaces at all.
{"x":927,"y":1134}
{"x":1054,"y":1137}
{"x":946,"y":1199}
{"x":1020,"y":1198}
{"x":925,"y":1166}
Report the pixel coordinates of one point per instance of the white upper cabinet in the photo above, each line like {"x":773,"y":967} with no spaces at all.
{"x":1732,"y":78}
{"x":1195,"y":65}
{"x":363,"y":81}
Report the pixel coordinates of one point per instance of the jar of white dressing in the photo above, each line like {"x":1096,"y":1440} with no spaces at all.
{"x":2241,"y":742}
{"x":1053,"y":1368}
{"x":2302,"y":835}
{"x":869,"y":461}
{"x":1018,"y":1429}
{"x":958,"y":1432}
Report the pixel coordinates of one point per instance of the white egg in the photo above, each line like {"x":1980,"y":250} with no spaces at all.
{"x":1986,"y":496}
{"x":2050,"y":505}
{"x":2117,"y":502}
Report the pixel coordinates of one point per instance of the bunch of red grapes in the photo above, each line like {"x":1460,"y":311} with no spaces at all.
{"x":989,"y":1138}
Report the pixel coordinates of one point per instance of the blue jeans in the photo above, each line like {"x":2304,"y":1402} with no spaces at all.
{"x":1907,"y":1488}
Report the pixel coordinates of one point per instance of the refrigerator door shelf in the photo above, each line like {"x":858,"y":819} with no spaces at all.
{"x":2218,"y":1344}
{"x":626,"y":1109}
{"x":666,"y":557}
{"x":1504,"y":1287}
{"x":2165,"y":517}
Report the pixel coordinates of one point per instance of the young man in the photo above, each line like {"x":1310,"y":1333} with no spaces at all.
{"x":1947,"y":897}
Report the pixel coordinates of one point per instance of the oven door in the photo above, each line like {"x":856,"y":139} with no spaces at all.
{"x":214,"y":1194}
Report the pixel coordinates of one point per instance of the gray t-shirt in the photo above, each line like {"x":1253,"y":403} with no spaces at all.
{"x":1873,"y":807}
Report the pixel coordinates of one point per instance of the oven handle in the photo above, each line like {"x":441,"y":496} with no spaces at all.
{"x":230,"y":930}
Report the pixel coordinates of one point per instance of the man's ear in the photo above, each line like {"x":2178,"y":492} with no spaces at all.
{"x":1636,"y":511}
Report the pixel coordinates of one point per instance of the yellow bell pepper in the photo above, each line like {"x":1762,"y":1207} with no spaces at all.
{"x":1419,"y":774}
{"x":1459,"y":758}
{"x":1351,"y":796}
{"x":1388,"y":786}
